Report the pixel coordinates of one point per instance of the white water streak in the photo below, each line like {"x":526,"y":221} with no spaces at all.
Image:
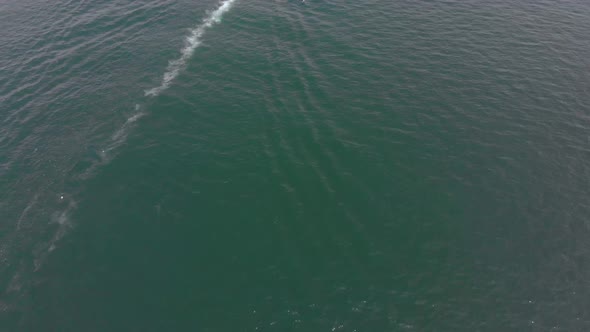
{"x":192,"y":41}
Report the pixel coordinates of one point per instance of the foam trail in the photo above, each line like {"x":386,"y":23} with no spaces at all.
{"x":122,"y":132}
{"x":192,"y":41}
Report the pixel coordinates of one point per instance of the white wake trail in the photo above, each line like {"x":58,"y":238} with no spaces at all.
{"x":193,"y":40}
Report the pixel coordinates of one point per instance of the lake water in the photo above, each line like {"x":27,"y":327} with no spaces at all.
{"x":287,"y":165}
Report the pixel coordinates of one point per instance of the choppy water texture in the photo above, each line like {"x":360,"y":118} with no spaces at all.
{"x":287,"y":165}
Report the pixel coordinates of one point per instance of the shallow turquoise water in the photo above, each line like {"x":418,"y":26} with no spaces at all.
{"x":294,"y":166}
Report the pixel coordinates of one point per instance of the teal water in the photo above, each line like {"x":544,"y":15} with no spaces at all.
{"x":283,"y":165}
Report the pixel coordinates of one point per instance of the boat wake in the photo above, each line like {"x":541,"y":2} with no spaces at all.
{"x":16,"y":273}
{"x":192,"y":41}
{"x":105,"y":155}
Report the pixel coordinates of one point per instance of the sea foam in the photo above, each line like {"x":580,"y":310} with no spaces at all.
{"x":192,"y":42}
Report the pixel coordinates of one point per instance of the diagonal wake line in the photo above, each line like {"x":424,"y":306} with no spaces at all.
{"x":192,"y":41}
{"x":61,"y":217}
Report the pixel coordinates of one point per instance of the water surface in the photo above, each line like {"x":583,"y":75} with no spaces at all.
{"x":294,"y":166}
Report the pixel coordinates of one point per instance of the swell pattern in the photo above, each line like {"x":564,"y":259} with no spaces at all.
{"x":193,"y":40}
